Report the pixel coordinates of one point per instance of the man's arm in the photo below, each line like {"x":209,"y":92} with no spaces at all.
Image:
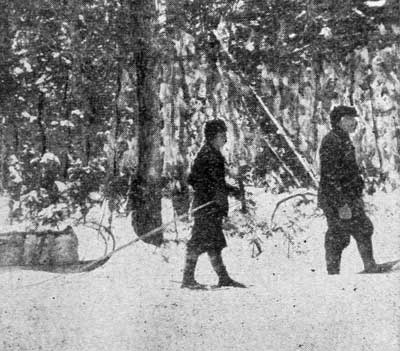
{"x":197,"y":176}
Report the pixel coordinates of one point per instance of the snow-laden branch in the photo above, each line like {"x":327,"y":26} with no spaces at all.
{"x":378,"y":3}
{"x":280,"y":202}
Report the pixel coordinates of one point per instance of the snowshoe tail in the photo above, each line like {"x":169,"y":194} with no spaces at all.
{"x":386,"y":267}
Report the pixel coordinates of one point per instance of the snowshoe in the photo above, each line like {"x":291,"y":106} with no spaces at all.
{"x":386,"y":267}
{"x":193,"y":286}
{"x":230,"y":283}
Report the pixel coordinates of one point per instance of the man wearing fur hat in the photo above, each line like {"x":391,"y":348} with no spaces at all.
{"x":207,"y":177}
{"x":340,"y":193}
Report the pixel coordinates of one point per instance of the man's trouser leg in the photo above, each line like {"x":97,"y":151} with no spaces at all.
{"x":362,"y":233}
{"x":218,"y":265}
{"x":188,"y":280}
{"x":366,"y":252}
{"x":336,"y":240}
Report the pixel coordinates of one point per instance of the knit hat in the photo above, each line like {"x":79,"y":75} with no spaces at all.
{"x":212,"y":128}
{"x":339,"y":111}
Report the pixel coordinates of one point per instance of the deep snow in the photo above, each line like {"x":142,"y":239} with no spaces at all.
{"x":135,"y":303}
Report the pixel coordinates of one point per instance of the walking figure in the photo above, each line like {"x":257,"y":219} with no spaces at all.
{"x":207,"y":177}
{"x":340,"y":194}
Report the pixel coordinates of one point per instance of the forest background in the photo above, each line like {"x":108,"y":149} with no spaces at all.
{"x":109,"y":97}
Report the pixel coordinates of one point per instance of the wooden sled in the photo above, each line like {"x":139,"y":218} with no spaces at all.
{"x":386,"y":267}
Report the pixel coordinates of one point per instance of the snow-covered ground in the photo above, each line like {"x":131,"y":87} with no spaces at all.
{"x":134,"y":302}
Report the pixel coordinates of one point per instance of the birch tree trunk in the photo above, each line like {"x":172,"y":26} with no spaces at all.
{"x":317,"y":68}
{"x":375,"y":129}
{"x":181,"y":200}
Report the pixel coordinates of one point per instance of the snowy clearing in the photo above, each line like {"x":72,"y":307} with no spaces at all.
{"x":134,"y":302}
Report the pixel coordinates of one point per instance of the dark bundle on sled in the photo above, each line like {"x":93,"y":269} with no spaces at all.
{"x":49,"y":250}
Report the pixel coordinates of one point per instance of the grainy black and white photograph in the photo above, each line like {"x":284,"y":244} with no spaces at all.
{"x":192,"y":175}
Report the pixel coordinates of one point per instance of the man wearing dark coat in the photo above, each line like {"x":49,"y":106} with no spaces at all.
{"x":207,"y":177}
{"x":340,"y":193}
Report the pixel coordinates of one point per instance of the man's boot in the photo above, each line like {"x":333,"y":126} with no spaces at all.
{"x":333,"y":264}
{"x":366,"y":252}
{"x":188,"y":280}
{"x":220,"y":269}
{"x":333,"y":260}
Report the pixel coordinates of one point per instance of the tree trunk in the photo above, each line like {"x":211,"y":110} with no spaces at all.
{"x":375,"y":129}
{"x":181,"y":200}
{"x":296,"y":110}
{"x":117,"y":120}
{"x":396,"y":116}
{"x":42,"y":128}
{"x":396,"y":123}
{"x":7,"y":85}
{"x":317,"y":67}
{"x":66,"y":106}
{"x":112,"y":187}
{"x":352,"y":73}
{"x":71,"y":9}
{"x":3,"y":156}
{"x":146,"y":187}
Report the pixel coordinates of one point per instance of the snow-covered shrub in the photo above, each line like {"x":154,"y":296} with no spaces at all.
{"x":42,"y":194}
{"x":248,"y":226}
{"x":292,"y":220}
{"x":84,"y":181}
{"x":32,"y":185}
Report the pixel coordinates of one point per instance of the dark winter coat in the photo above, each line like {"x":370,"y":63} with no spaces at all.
{"x":207,"y":177}
{"x":341,"y":182}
